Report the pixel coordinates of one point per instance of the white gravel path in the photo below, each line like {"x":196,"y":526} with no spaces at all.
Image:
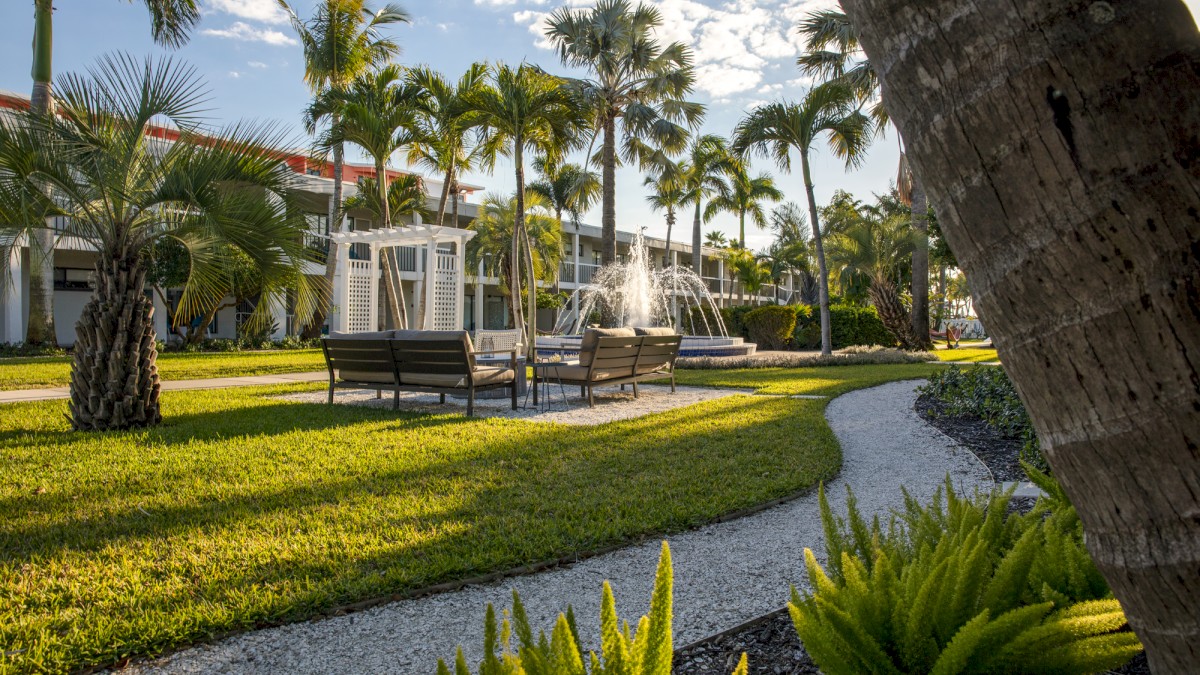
{"x":724,"y":574}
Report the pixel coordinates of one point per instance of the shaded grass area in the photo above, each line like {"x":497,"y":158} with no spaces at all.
{"x":55,"y":371}
{"x":243,"y":510}
{"x":822,"y":381}
{"x":971,"y":354}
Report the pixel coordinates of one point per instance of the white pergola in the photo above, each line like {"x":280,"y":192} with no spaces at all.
{"x":356,"y":282}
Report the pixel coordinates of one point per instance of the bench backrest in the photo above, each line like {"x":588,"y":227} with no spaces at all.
{"x":352,"y":355}
{"x":431,"y":357}
{"x":658,"y":353}
{"x":616,"y":356}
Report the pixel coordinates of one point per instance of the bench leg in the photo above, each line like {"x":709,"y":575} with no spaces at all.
{"x":513,"y":389}
{"x":471,"y":401}
{"x":378,"y":393}
{"x":396,"y":400}
{"x":331,"y":392}
{"x":634,"y":389}
{"x":622,"y":387}
{"x":591,"y":400}
{"x":442,"y":399}
{"x":672,"y":382}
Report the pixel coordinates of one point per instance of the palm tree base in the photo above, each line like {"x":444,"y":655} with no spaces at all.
{"x":114,"y":377}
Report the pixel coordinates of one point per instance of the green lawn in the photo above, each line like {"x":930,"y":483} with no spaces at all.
{"x":243,"y":510}
{"x":55,"y":371}
{"x":972,"y":354}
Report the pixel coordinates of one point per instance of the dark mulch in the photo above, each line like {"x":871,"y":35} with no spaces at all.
{"x":1000,"y":454}
{"x":770,"y":644}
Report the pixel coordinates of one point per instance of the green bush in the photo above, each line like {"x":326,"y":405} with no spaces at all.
{"x":771,"y":326}
{"x":703,"y":320}
{"x":735,"y":320}
{"x":16,"y":349}
{"x":648,"y":651}
{"x":848,"y":326}
{"x":962,"y":588}
{"x":243,"y":344}
{"x":986,"y":393}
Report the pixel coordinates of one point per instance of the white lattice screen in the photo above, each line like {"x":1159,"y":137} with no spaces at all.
{"x":359,"y":310}
{"x":445,"y":293}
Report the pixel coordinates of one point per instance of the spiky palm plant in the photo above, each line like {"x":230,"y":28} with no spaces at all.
{"x":122,"y":190}
{"x":743,"y":195}
{"x":406,"y":197}
{"x":706,"y":161}
{"x":525,"y":109}
{"x":634,"y":79}
{"x":777,"y":129}
{"x":667,"y":193}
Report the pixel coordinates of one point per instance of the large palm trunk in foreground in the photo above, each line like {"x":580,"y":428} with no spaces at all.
{"x":114,"y":379}
{"x":1060,"y":143}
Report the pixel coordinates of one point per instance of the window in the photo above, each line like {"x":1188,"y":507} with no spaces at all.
{"x":581,"y":249}
{"x":72,"y":279}
{"x":317,"y":223}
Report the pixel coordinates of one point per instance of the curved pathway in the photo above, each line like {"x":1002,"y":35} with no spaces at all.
{"x":725,"y":573}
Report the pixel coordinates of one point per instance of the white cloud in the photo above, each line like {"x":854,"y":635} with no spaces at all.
{"x":256,"y":64}
{"x":234,"y":74}
{"x":535,"y":21}
{"x":268,"y":11}
{"x":246,"y":33}
{"x":507,"y":3}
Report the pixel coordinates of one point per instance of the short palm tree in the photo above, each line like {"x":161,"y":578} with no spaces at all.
{"x":376,"y":112}
{"x":777,"y":129}
{"x":748,"y":269}
{"x":790,"y":227}
{"x":667,"y":194}
{"x":707,"y":160}
{"x":525,"y":109}
{"x":442,"y":136}
{"x":343,"y":40}
{"x":406,"y":197}
{"x":878,"y":249}
{"x":123,"y":190}
{"x":715,"y":239}
{"x":568,"y":188}
{"x":495,"y":234}
{"x":634,"y":79}
{"x":744,"y":196}
{"x":170,"y":21}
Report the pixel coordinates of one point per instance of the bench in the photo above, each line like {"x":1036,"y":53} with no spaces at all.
{"x":440,"y":362}
{"x":621,"y":360}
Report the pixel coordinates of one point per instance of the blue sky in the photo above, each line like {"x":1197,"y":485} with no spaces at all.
{"x":745,"y":53}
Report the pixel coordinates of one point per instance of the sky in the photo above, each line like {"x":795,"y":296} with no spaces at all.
{"x":245,"y":50}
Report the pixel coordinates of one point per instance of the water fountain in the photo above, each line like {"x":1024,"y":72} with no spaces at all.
{"x":633,"y":293}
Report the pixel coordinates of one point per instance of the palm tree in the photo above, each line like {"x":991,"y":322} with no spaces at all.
{"x":776,"y":129}
{"x":567,"y":188}
{"x":707,"y":160}
{"x":406,"y":197}
{"x":634,"y":79}
{"x":441,"y":136}
{"x":742,"y":195}
{"x":746,"y":268}
{"x":790,"y":226}
{"x":876,"y":248}
{"x":493,"y":244}
{"x":343,"y":40}
{"x":667,"y":194}
{"x":170,"y":21}
{"x":834,"y":52}
{"x":715,"y":239}
{"x":375,"y":112}
{"x":522,"y":109}
{"x":123,"y":191}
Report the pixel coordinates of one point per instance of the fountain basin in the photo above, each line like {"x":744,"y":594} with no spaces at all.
{"x":692,"y":345}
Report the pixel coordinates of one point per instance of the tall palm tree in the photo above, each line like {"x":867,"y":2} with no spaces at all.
{"x":742,"y":195}
{"x":834,"y":52}
{"x":406,"y":197}
{"x":375,"y":112}
{"x":568,"y":188}
{"x":496,"y":233}
{"x":877,"y":249}
{"x":170,"y":21}
{"x":525,"y":109}
{"x":776,"y":129}
{"x":442,"y":134}
{"x":707,"y":160}
{"x":667,"y":194}
{"x":634,"y":79}
{"x":343,"y":40}
{"x":123,"y":191}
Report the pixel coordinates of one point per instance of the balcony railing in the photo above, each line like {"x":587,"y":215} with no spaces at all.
{"x":566,"y":271}
{"x":586,"y":272}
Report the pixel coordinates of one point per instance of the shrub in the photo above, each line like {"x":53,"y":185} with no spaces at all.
{"x":771,"y":326}
{"x":735,"y":320}
{"x":964,"y":588}
{"x":703,"y":320}
{"x":12,"y":349}
{"x":986,"y":393}
{"x":851,"y":356}
{"x":848,"y":326}
{"x":646,"y":652}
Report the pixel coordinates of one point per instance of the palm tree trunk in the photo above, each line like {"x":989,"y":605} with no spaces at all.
{"x":920,"y":266}
{"x":891,"y":312}
{"x":742,"y":228}
{"x":391,"y":270}
{"x":819,"y":251}
{"x":670,"y":226}
{"x":313,"y":330}
{"x":518,"y":228}
{"x":697,"y":241}
{"x":1092,"y":296}
{"x":441,"y":214}
{"x":114,"y":379}
{"x":608,"y":211}
{"x":40,"y":331}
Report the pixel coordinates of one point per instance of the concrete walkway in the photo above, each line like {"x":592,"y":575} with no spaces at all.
{"x":725,"y":573}
{"x":17,"y":395}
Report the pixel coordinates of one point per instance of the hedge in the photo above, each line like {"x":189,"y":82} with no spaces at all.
{"x":771,"y":326}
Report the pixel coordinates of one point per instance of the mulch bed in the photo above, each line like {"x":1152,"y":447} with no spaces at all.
{"x":1000,"y":454}
{"x":771,"y":643}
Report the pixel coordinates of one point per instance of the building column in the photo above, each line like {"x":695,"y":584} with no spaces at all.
{"x":479,"y":297}
{"x":720,"y":282}
{"x":339,"y":313}
{"x":14,"y":297}
{"x":431,"y":264}
{"x":460,"y":285}
{"x":373,"y":274}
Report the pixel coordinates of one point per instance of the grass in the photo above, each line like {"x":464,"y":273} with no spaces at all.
{"x":973,"y":355}
{"x":244,"y":510}
{"x":55,"y":371}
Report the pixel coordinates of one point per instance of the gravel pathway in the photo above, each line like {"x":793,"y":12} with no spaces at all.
{"x":725,"y":574}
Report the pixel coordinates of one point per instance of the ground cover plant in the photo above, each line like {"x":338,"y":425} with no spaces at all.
{"x":850,"y":356}
{"x":55,"y":371}
{"x":243,"y":509}
{"x":961,"y":586}
{"x":986,"y":393}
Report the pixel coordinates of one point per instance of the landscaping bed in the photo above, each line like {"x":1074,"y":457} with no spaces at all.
{"x":1000,"y":453}
{"x":769,"y":642}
